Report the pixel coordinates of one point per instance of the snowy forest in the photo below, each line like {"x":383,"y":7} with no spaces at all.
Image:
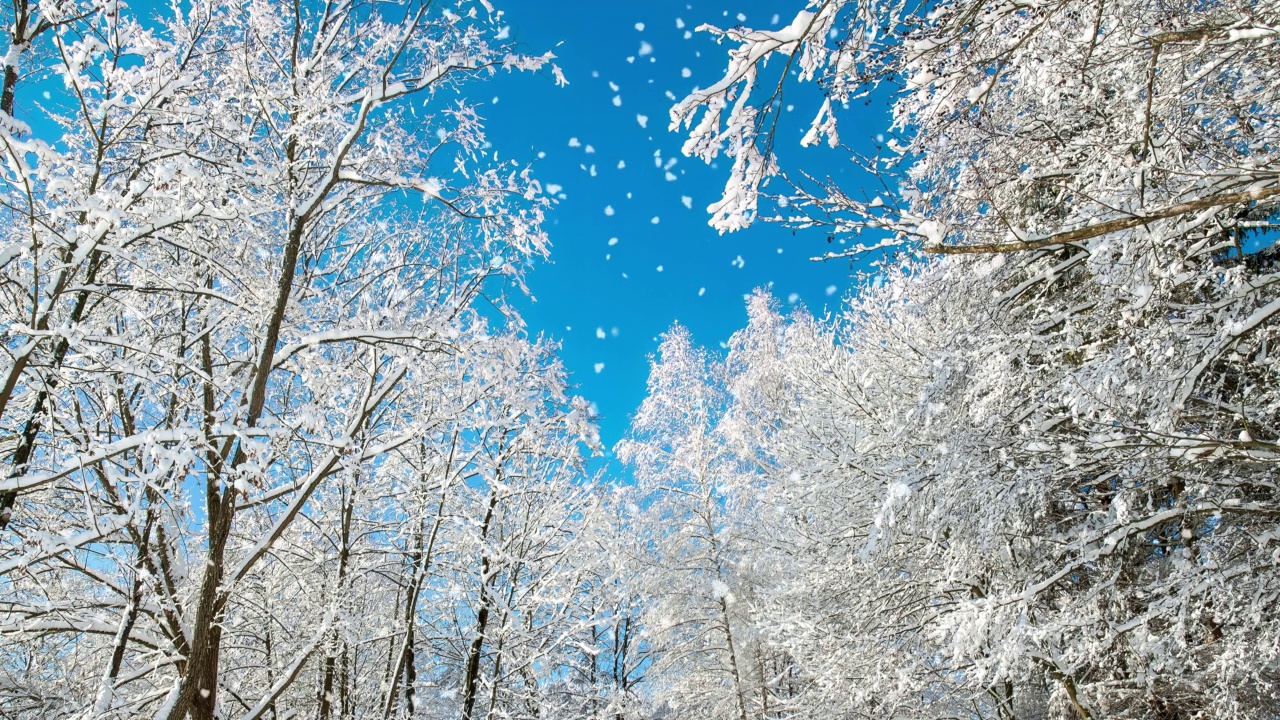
{"x":276,"y":442}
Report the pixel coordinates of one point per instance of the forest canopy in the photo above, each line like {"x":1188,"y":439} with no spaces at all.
{"x":276,"y":444}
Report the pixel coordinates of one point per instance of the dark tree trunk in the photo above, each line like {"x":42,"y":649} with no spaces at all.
{"x":471,"y":677}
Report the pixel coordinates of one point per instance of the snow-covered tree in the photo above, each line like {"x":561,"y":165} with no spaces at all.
{"x":1046,"y":464}
{"x":252,"y":415}
{"x":700,"y":559}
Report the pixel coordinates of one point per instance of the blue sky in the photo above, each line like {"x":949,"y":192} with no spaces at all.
{"x":622,"y":180}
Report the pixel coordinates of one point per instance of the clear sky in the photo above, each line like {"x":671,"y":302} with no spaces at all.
{"x":604,"y":141}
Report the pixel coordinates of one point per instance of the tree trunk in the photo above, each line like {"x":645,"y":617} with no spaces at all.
{"x":738,"y":690}
{"x":201,"y":692}
{"x":622,"y":642}
{"x":471,"y":677}
{"x":106,"y":692}
{"x":421,"y":563}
